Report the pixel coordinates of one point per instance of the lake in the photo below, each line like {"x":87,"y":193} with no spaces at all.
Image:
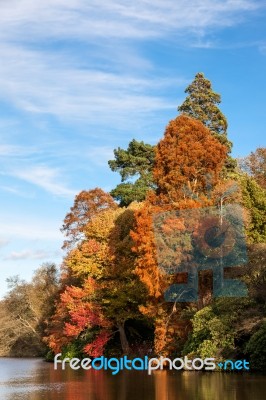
{"x":34,"y":379}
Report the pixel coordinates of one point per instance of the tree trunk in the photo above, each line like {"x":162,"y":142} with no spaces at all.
{"x":123,"y":338}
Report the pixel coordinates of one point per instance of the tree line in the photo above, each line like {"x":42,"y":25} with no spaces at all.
{"x":109,"y":297}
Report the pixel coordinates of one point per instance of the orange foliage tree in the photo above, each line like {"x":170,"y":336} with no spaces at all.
{"x":87,"y":204}
{"x":187,"y":159}
{"x":255,"y":165}
{"x":106,"y":256}
{"x":100,"y":262}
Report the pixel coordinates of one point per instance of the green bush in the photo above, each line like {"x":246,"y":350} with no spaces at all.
{"x":212,"y":335}
{"x":256,"y":349}
{"x":72,"y":350}
{"x":49,"y":356}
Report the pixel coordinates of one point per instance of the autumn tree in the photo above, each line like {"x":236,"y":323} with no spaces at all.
{"x":99,"y":254}
{"x":255,"y":166}
{"x":106,"y":256}
{"x":135,"y":166}
{"x":25,"y":311}
{"x":86,"y":205}
{"x":90,"y":256}
{"x":186,"y":158}
{"x":121,"y":289}
{"x":78,"y":319}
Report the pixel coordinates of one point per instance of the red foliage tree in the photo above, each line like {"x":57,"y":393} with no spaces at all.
{"x":76,"y":312}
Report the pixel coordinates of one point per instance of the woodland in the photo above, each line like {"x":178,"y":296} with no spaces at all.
{"x":109,"y":296}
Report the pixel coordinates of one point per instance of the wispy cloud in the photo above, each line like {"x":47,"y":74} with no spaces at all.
{"x":98,"y":18}
{"x":46,"y":178}
{"x":43,"y":83}
{"x":33,"y":255}
{"x":49,"y":80}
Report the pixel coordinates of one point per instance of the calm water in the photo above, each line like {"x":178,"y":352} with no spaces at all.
{"x":34,"y":379}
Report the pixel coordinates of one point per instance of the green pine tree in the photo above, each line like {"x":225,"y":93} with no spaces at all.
{"x":201,"y":103}
{"x":134,"y":163}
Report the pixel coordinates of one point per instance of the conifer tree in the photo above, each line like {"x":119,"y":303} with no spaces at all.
{"x":135,"y":162}
{"x":201,"y":103}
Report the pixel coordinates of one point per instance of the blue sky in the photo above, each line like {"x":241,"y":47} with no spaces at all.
{"x":80,"y":78}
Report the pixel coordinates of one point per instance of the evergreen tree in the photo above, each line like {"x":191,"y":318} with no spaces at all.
{"x":254,"y":200}
{"x":201,"y":103}
{"x":135,"y":162}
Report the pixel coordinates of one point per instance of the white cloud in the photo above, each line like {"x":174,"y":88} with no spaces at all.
{"x":42,"y":83}
{"x":46,"y":178}
{"x":84,"y":19}
{"x":94,"y":83}
{"x":32,"y":255}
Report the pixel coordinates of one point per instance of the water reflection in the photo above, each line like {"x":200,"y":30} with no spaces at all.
{"x":33,"y":379}
{"x":209,"y":386}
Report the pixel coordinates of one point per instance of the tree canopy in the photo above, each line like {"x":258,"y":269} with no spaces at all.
{"x":186,"y":157}
{"x":25,"y":312}
{"x":86,"y":205}
{"x":255,"y":165}
{"x":135,"y":168}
